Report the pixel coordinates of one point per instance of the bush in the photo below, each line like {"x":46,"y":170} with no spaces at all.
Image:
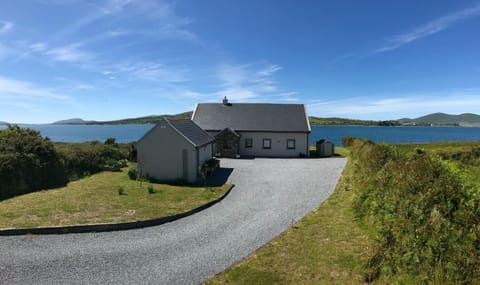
{"x":115,"y":165}
{"x":212,"y":163}
{"x":133,"y":173}
{"x":91,"y":157}
{"x":151,"y":190}
{"x":110,"y":141}
{"x":121,"y":190}
{"x":28,"y":162}
{"x":347,"y":141}
{"x":425,"y":214}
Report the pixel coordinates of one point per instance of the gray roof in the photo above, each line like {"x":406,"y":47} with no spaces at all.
{"x":252,"y":117}
{"x":228,"y":130}
{"x":192,"y":132}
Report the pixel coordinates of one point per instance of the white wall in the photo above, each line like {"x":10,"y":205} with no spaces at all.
{"x":204,"y":154}
{"x":279,"y":144}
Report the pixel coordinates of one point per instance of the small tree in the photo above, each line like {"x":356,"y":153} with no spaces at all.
{"x":110,"y":141}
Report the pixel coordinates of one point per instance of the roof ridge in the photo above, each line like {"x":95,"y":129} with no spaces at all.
{"x":251,"y":103}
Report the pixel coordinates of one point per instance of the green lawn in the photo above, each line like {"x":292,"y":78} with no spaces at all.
{"x":96,"y":199}
{"x":325,"y":247}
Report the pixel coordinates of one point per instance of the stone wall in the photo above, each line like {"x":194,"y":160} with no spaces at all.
{"x":227,"y":143}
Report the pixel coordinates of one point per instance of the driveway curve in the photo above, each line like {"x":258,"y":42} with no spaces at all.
{"x":269,"y":195}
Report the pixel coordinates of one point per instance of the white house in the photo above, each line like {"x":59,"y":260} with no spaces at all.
{"x":174,"y":150}
{"x":250,"y":129}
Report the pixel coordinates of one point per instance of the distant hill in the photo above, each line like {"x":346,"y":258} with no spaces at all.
{"x":141,"y":120}
{"x":3,"y":123}
{"x":340,"y":121}
{"x":432,"y":119}
{"x":74,"y":121}
{"x":466,"y":119}
{"x":146,"y":120}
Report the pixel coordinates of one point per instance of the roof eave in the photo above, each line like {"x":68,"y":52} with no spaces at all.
{"x":306,"y":118}
{"x":262,"y":131}
{"x":194,"y":111}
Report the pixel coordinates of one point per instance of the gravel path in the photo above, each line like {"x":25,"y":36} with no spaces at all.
{"x":270,"y":194}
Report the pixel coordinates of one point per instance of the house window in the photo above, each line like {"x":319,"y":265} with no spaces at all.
{"x":226,"y":144}
{"x":290,"y":144}
{"x":248,"y":143}
{"x":267,"y":143}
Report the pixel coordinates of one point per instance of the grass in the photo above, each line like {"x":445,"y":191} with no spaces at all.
{"x":329,"y":245}
{"x":97,"y":199}
{"x":440,"y":146}
{"x":326,"y":247}
{"x":471,"y":169}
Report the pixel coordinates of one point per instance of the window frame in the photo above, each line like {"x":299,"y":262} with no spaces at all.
{"x":269,"y":144}
{"x":250,"y":144}
{"x":294,"y":144}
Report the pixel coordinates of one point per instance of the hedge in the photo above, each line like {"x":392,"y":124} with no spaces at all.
{"x":424,"y":212}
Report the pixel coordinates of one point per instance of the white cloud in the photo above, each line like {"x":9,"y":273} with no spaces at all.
{"x":83,"y":86}
{"x":399,"y":105}
{"x":24,"y":90}
{"x":5,"y":26}
{"x":68,"y":53}
{"x":428,"y":29}
{"x":115,"y":6}
{"x":236,"y":93}
{"x":159,"y":20}
{"x":269,"y":70}
{"x":231,"y":75}
{"x":38,"y":47}
{"x":251,"y":81}
{"x":150,"y":71}
{"x":239,"y":83}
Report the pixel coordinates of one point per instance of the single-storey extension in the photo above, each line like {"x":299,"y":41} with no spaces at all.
{"x":255,"y":129}
{"x":174,"y":150}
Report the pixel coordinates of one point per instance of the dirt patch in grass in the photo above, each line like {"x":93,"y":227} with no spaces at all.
{"x":95,"y":199}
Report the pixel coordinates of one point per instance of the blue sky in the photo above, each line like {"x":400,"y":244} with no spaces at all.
{"x":113,"y":59}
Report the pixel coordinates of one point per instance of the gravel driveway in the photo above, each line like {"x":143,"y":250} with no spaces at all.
{"x":270,"y":194}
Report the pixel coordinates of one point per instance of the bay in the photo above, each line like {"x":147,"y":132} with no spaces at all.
{"x":130,"y":133}
{"x":82,"y":133}
{"x":395,"y":134}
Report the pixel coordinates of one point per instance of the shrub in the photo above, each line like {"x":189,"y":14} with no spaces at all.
{"x":110,"y":141}
{"x":425,"y":214}
{"x":91,"y":157}
{"x":121,"y":190}
{"x":150,"y":189}
{"x":133,"y":173}
{"x":28,"y":162}
{"x":212,"y":163}
{"x":115,"y":165}
{"x":122,"y":163}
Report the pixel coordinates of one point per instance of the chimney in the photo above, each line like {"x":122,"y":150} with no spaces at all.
{"x":225,"y":101}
